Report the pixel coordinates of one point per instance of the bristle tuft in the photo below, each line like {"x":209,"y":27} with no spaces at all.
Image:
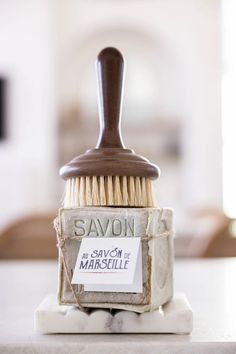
{"x":102,"y":190}
{"x":95,"y":191}
{"x":131,"y":190}
{"x":109,"y":190}
{"x":117,"y":191}
{"x":144,"y":191}
{"x":138,"y":193}
{"x":88,"y":191}
{"x":124,"y":188}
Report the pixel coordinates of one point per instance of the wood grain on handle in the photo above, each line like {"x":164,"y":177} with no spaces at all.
{"x":110,"y":72}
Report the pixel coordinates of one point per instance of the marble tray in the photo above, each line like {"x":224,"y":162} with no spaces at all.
{"x":174,"y":317}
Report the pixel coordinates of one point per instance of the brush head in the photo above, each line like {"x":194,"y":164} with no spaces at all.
{"x":110,"y":162}
{"x":110,"y":157}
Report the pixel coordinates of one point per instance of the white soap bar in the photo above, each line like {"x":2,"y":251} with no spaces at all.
{"x":152,"y":225}
{"x":174,"y":317}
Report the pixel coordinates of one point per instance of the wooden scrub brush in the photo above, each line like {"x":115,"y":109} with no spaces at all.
{"x":110,"y":174}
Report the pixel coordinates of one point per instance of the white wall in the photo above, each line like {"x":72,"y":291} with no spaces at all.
{"x":27,"y":157}
{"x":229,"y":107}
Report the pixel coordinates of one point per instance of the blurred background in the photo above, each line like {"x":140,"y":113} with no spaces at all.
{"x":179,"y":111}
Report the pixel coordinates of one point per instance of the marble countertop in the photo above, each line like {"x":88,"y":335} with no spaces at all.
{"x":210,"y":287}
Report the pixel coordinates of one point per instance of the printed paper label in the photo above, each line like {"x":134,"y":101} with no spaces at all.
{"x":106,"y":261}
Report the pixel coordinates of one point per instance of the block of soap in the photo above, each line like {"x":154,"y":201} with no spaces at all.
{"x":152,"y":225}
{"x":174,"y":317}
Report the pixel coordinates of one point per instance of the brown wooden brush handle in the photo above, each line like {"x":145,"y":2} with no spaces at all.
{"x":110,"y":158}
{"x":110,"y":72}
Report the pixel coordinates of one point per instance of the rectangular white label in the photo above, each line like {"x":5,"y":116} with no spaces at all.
{"x":107,"y":261}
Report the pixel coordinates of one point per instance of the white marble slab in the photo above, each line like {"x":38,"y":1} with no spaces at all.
{"x":174,"y":317}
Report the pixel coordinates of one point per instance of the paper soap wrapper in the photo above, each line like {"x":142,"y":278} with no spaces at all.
{"x":153,"y":225}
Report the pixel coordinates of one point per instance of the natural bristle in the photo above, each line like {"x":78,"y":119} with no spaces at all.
{"x":109,"y":191}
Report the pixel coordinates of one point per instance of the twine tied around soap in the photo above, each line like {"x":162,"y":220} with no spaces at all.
{"x":61,"y":240}
{"x":61,"y":244}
